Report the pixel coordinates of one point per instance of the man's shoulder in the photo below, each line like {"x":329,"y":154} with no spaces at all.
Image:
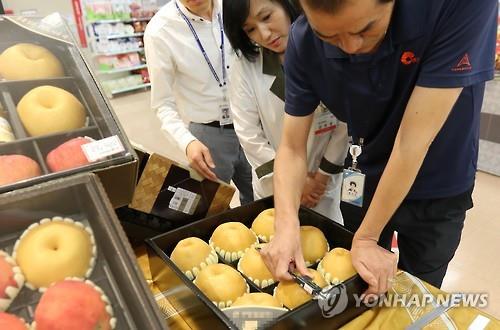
{"x":301,"y":31}
{"x":162,"y":19}
{"x":302,"y":38}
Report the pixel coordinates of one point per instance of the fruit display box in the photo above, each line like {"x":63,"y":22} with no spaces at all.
{"x":116,"y":272}
{"x":168,"y":196}
{"x":115,"y":160}
{"x":200,"y":313}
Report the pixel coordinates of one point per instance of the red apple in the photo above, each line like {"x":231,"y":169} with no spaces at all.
{"x":72,"y":305}
{"x":15,"y":168}
{"x":11,"y":322}
{"x":6,"y":277}
{"x":11,"y":280}
{"x":68,"y":155}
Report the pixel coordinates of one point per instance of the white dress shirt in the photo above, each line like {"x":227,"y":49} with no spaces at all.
{"x":183,"y":88}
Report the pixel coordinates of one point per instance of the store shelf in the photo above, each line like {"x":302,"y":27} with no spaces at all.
{"x":119,"y":36}
{"x":120,"y":52}
{"x":101,"y":21}
{"x":112,"y":40}
{"x":129,"y":89}
{"x":132,"y":68}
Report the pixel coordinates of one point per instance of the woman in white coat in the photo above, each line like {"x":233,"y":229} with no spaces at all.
{"x":258,"y":31}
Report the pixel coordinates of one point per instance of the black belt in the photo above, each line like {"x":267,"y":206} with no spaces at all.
{"x":217,"y":124}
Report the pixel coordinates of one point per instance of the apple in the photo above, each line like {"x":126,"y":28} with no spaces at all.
{"x":68,"y":155}
{"x":72,"y":305}
{"x":11,"y":322}
{"x":15,"y":168}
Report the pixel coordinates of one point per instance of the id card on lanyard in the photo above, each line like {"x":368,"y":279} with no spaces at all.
{"x":325,"y":121}
{"x":224,"y":108}
{"x":353,"y":182}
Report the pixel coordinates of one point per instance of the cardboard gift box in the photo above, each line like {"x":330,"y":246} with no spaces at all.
{"x":110,"y":155}
{"x":171,"y":195}
{"x":82,"y":198}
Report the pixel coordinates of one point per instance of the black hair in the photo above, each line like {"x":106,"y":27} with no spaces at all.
{"x":235,"y":13}
{"x":353,"y":183}
{"x":332,"y":6}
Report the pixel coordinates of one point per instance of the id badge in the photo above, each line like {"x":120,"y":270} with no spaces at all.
{"x":225,"y":114}
{"x":353,"y":185}
{"x":325,"y":122}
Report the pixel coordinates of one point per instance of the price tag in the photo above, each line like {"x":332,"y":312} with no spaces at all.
{"x":184,"y":201}
{"x":101,"y":149}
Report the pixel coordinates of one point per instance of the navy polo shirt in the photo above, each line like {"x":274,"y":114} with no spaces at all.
{"x":429,"y":43}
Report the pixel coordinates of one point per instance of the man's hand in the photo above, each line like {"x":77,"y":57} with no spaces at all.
{"x":374,"y":264}
{"x":314,"y":189}
{"x":283,"y":250}
{"x":200,"y":159}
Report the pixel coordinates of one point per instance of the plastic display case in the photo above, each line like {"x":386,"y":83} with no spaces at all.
{"x":200,"y":313}
{"x":82,"y":198}
{"x":52,"y":33}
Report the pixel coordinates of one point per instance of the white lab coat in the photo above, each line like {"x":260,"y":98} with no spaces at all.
{"x":258,"y":121}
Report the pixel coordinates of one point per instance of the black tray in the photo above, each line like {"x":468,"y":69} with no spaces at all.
{"x":77,"y":80}
{"x":202,"y":313}
{"x":82,"y":198}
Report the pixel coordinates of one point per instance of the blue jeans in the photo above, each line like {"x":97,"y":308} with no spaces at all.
{"x":228,"y":156}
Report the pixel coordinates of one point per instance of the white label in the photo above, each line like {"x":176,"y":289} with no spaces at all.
{"x":308,"y":289}
{"x":100,"y":149}
{"x":479,"y":323}
{"x":184,"y":201}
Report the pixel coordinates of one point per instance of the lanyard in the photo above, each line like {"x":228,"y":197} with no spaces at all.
{"x":356,"y":147}
{"x":202,"y":49}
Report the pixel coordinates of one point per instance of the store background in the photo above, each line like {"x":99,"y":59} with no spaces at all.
{"x":473,"y":268}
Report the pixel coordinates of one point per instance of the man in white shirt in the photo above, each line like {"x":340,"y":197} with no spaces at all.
{"x":188,"y":59}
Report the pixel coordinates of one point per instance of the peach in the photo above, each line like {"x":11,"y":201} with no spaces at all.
{"x":15,"y":168}
{"x":6,"y":277}
{"x":11,"y":280}
{"x":68,"y":155}
{"x":11,"y":322}
{"x":73,"y":305}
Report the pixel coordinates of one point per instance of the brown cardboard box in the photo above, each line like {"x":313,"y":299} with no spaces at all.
{"x":119,"y":182}
{"x":176,"y":193}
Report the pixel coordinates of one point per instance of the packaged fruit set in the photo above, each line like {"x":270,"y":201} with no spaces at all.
{"x":65,"y":262}
{"x":54,"y":120}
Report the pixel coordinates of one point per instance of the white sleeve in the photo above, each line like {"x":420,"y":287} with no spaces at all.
{"x":336,"y":151}
{"x":246,"y":118}
{"x":162,"y":71}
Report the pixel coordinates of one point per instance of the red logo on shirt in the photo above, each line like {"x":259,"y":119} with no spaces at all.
{"x":408,"y":58}
{"x":463,"y":65}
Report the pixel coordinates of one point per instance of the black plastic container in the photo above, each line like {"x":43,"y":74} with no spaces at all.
{"x":200,"y":312}
{"x":82,"y":198}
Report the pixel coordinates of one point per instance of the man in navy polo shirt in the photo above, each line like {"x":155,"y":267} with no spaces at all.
{"x":408,"y":78}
